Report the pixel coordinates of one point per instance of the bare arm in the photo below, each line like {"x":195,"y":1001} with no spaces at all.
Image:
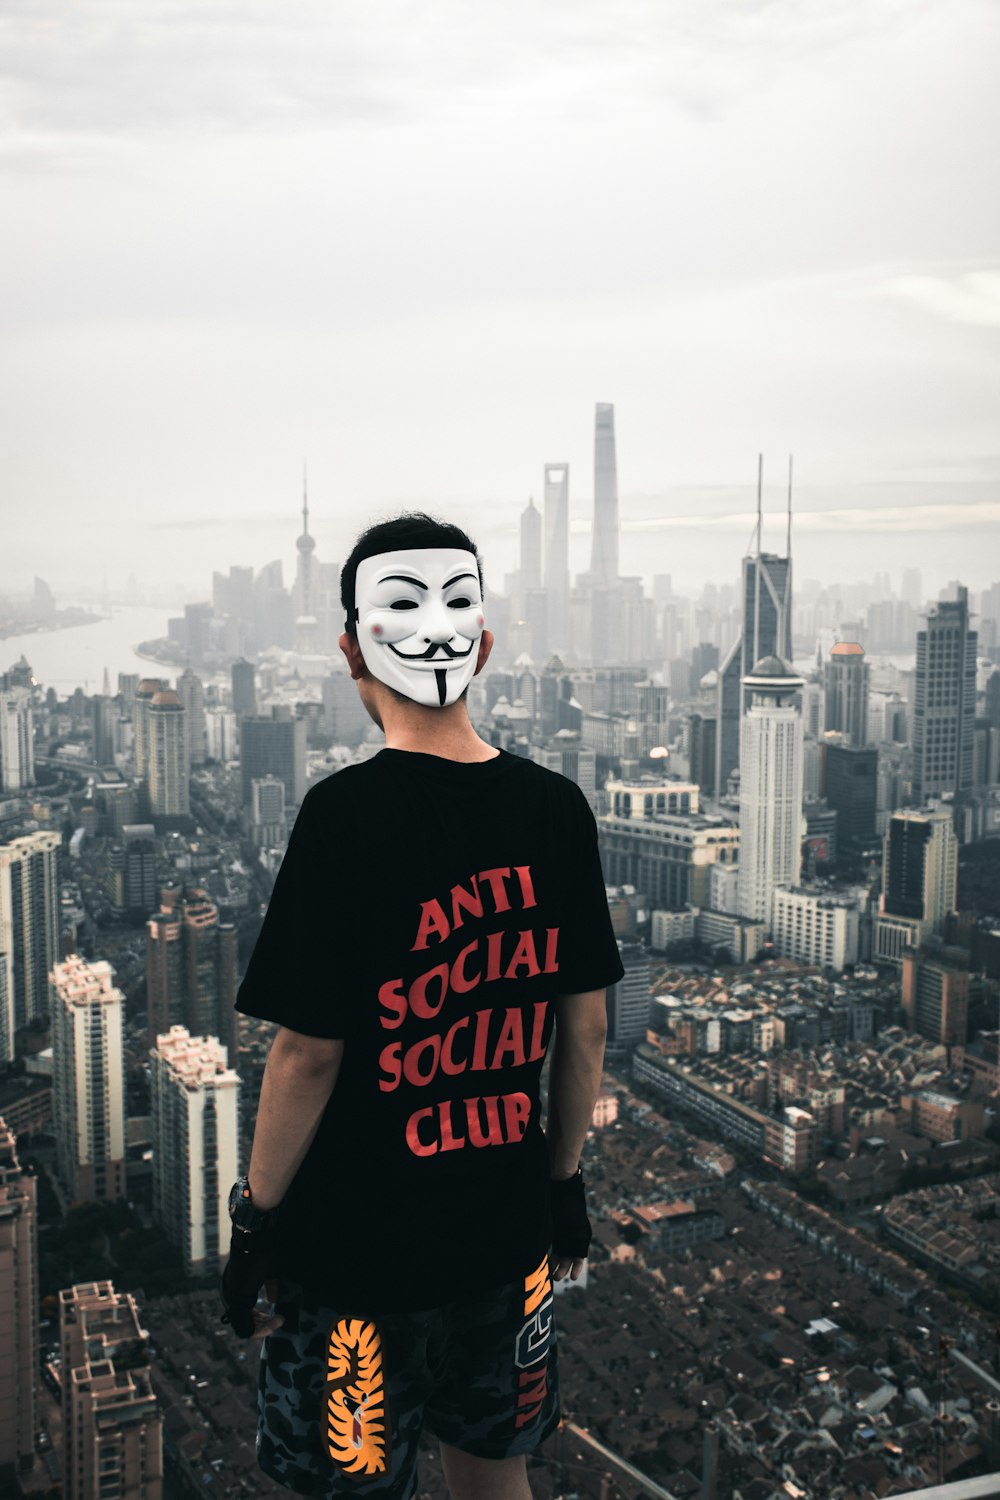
{"x":575,"y":1077}
{"x":298,"y":1081}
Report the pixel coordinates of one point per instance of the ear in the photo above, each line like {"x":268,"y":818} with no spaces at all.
{"x":355,"y":661}
{"x":485,"y":647}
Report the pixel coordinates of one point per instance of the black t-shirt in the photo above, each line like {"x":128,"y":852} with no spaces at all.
{"x":428,"y":912}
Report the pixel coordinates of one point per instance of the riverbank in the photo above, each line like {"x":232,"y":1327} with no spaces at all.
{"x":65,"y":619}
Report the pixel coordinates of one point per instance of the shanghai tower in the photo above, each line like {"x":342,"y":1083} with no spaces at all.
{"x":604,"y":555}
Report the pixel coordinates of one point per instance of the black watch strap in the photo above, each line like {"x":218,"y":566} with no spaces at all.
{"x":242,"y":1211}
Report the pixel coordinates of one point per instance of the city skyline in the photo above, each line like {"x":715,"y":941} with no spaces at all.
{"x":384,"y":257}
{"x":688,"y":314}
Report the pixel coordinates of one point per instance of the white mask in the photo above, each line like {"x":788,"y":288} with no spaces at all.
{"x":419,"y":620}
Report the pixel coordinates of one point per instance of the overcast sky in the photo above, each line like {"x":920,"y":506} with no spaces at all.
{"x":415,"y":243}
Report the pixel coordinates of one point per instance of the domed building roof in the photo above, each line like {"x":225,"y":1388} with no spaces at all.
{"x":167,"y":699}
{"x":847,"y":648}
{"x":710,"y":679}
{"x":518,"y":710}
{"x":771,"y":666}
{"x":148,"y":686}
{"x":501,"y":708}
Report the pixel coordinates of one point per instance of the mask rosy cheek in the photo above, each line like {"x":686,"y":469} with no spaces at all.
{"x":376,"y":630}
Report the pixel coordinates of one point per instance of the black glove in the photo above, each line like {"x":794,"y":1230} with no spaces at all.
{"x":571,"y":1233}
{"x":252,"y":1261}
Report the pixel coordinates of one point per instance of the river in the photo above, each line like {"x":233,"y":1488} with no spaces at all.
{"x":76,"y":657}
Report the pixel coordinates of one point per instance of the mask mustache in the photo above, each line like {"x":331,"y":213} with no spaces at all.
{"x":431,"y":652}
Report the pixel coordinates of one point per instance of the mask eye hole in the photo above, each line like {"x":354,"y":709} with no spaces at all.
{"x":460,"y":603}
{"x":404,"y":604}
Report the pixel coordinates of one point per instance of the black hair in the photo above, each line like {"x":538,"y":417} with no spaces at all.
{"x":414,"y":528}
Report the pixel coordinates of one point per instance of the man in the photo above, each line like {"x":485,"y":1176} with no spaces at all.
{"x":439,"y":915}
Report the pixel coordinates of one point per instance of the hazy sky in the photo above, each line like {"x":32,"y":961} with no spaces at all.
{"x":415,"y":243}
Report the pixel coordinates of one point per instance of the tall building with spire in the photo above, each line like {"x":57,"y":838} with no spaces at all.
{"x":18,"y":1314}
{"x":531,"y":548}
{"x":765,"y":630}
{"x":556,"y":502}
{"x":771,"y":822}
{"x":604,"y":544}
{"x":532,"y":602}
{"x":306,"y":623}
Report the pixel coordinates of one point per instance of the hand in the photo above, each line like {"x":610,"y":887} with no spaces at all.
{"x":571,"y":1232}
{"x":251,"y":1264}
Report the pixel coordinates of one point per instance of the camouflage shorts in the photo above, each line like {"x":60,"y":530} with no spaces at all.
{"x":344,"y":1396}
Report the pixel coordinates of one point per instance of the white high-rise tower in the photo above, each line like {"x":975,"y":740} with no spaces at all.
{"x":771,"y":824}
{"x":88,"y":1079}
{"x":194,"y":1098}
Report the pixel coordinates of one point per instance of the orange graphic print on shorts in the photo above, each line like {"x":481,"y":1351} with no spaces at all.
{"x":357,"y":1424}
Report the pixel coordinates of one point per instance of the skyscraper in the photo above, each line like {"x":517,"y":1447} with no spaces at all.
{"x":87,"y":1079}
{"x":104,"y":721}
{"x":18,"y":1314}
{"x":851,"y":789}
{"x":274,"y":747}
{"x":944,"y":707}
{"x":17,"y":736}
{"x":765,"y":630}
{"x":29,"y":929}
{"x":244,"y":679}
{"x":766,"y":596}
{"x":112,"y":1429}
{"x":192,"y":694}
{"x":221,"y":735}
{"x":194,"y":1097}
{"x":144,"y":695}
{"x":847,"y":677}
{"x":531,"y":548}
{"x":702,"y":731}
{"x":191,"y":969}
{"x":919,"y":880}
{"x":604,"y":547}
{"x":556,"y":497}
{"x":771,"y":823}
{"x":168,"y":776}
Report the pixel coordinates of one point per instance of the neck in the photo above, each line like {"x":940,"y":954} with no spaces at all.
{"x":434,"y":731}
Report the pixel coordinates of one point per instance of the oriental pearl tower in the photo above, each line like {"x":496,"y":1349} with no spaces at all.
{"x":306,"y":624}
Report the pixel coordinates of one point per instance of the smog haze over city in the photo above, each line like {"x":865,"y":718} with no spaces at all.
{"x":414,"y":244}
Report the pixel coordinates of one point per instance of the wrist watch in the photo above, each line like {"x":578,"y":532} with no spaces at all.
{"x":242,"y":1211}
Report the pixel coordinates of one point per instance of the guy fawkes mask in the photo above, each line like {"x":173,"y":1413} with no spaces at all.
{"x":419,"y":620}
